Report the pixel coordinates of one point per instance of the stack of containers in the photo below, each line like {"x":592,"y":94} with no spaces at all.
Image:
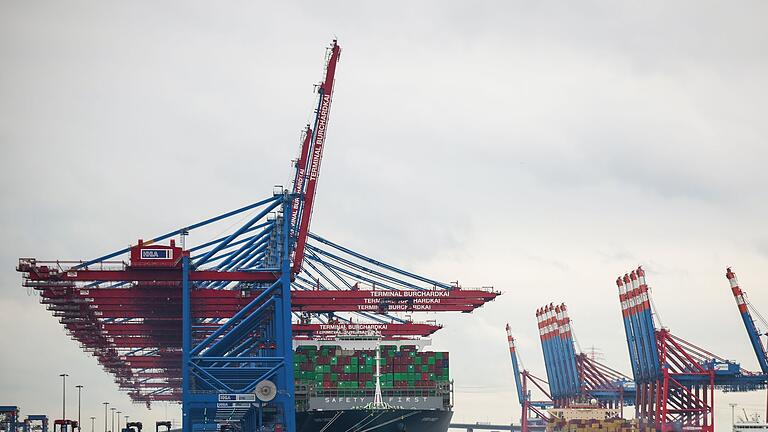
{"x":609,"y":425}
{"x":331,"y":368}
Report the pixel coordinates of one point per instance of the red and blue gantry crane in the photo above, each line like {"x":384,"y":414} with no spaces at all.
{"x":745,"y":310}
{"x":575,"y":377}
{"x":676,"y":379}
{"x":209,"y":322}
{"x":534,"y":412}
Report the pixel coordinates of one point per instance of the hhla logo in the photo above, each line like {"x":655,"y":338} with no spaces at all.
{"x":155,"y":254}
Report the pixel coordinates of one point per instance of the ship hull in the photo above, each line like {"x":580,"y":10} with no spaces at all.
{"x":362,"y":420}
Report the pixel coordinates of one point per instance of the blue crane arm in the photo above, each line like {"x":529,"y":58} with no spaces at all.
{"x":515,"y":366}
{"x":749,"y":323}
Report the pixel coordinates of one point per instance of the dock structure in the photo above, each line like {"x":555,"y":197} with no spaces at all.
{"x":470,"y":427}
{"x":206,"y":314}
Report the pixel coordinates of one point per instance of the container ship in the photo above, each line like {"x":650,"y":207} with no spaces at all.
{"x":340,"y":387}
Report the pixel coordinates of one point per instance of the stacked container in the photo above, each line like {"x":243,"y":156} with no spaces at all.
{"x":331,"y":368}
{"x":610,"y":425}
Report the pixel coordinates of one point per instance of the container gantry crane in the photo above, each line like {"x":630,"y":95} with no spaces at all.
{"x":749,"y":323}
{"x":533,"y":412}
{"x":36,"y":423}
{"x":9,"y":418}
{"x":675,"y":378}
{"x":207,"y":322}
{"x":575,"y":377}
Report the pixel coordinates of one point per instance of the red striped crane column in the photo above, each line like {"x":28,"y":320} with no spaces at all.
{"x":553,"y":339}
{"x":645,"y":396}
{"x":738,"y":295}
{"x":749,"y":323}
{"x":645,"y":317}
{"x":520,"y":381}
{"x":645,"y":340}
{"x":562,"y":350}
{"x":576,"y":381}
{"x":550,"y":330}
{"x":626,"y":297}
{"x":546,"y":348}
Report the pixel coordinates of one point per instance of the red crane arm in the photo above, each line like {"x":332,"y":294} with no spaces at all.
{"x":386,"y":330}
{"x":301,"y":173}
{"x":316,"y":155}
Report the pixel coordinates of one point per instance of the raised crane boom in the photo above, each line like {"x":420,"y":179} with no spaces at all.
{"x":749,"y":323}
{"x":307,"y":174}
{"x":515,"y":365}
{"x":533,"y":412}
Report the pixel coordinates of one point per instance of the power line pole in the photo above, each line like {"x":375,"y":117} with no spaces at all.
{"x":63,"y":395}
{"x":105,"y":415}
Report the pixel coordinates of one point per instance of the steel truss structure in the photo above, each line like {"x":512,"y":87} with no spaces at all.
{"x":208,"y":321}
{"x":187,"y":325}
{"x":36,"y":423}
{"x":9,"y":418}
{"x":574,"y":377}
{"x":675,"y":378}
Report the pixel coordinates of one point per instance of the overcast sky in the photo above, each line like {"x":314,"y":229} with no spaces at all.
{"x":539,"y":147}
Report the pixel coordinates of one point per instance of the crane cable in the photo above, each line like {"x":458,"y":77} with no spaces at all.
{"x":755,"y":312}
{"x":654,"y":309}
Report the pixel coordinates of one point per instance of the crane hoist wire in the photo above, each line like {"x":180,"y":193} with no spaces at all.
{"x":755,"y":312}
{"x":654,"y":309}
{"x":229,"y":229}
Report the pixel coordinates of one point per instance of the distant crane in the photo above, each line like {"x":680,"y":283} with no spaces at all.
{"x":675,"y":378}
{"x":576,"y":377}
{"x":533,"y":413}
{"x":308,"y":166}
{"x":749,"y":323}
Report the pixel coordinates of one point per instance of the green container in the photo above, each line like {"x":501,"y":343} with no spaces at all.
{"x":431,"y":360}
{"x":334,"y":360}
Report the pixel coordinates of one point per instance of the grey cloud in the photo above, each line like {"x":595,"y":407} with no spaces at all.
{"x":490,"y":143}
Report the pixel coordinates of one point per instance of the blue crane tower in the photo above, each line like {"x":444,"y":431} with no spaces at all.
{"x":675,"y":378}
